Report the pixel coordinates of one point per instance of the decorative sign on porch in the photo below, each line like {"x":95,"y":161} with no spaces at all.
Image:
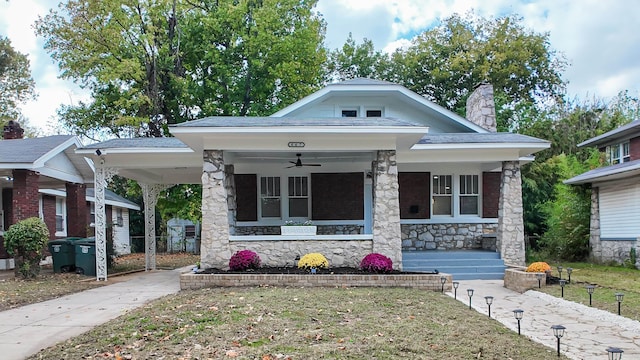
{"x":296,"y":144}
{"x":298,"y":230}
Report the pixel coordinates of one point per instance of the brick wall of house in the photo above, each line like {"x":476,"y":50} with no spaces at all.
{"x":634,"y":148}
{"x":76,"y":210}
{"x":337,"y":196}
{"x":414,"y":191}
{"x":490,"y":194}
{"x":25,"y":195}
{"x":49,"y":213}
{"x":246,"y":197}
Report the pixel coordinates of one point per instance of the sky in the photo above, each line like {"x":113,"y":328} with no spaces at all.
{"x":599,"y":39}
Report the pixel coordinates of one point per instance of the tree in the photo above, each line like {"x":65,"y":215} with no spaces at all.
{"x":153,"y":63}
{"x":16,"y":84}
{"x":357,"y":61}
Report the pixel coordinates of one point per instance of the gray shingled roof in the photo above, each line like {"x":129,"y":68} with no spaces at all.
{"x":628,"y":129}
{"x":168,"y":142}
{"x":265,"y":121}
{"x":19,"y":151}
{"x":595,"y":174}
{"x":364,"y":81}
{"x":471,"y":138}
{"x":111,"y":196}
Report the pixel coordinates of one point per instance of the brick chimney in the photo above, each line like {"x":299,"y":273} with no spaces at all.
{"x":481,"y":108}
{"x":13,"y":131}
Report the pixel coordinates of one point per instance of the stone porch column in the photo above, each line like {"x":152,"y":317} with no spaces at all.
{"x":25,"y":196}
{"x":510,"y":215}
{"x":77,"y":219}
{"x":150,"y":194}
{"x":386,"y":208}
{"x":214,"y":248}
{"x":594,"y":225}
{"x":102,"y":176}
{"x":230,"y":186}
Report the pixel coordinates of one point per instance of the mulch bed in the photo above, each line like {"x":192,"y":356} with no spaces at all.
{"x":298,"y":271}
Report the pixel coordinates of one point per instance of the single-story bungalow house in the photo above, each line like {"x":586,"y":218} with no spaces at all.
{"x":615,"y":195}
{"x":375,"y":167}
{"x":44,"y":177}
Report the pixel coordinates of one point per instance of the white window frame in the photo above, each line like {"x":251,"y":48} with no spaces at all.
{"x":366,"y":110}
{"x":63,"y":214}
{"x":356,"y":109}
{"x":455,"y":195}
{"x":619,"y":153}
{"x":449,"y":195}
{"x":469,"y":194}
{"x":279,"y":196}
{"x":92,"y":214}
{"x":119,"y":217}
{"x":284,"y":198}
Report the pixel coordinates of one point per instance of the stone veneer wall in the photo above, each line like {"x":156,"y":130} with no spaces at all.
{"x":284,"y":252}
{"x":322,"y":230}
{"x":481,"y":109}
{"x":594,"y":224}
{"x":386,"y":207}
{"x":510,"y":239}
{"x":215,"y":220}
{"x":449,"y":236}
{"x":517,"y":279}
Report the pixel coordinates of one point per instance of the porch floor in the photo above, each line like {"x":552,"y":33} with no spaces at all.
{"x":461,"y":264}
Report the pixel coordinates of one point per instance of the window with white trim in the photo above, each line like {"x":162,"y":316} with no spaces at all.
{"x":442,"y":195}
{"x":619,"y":153}
{"x":119,"y":217}
{"x":61,"y":215}
{"x":92,"y":214}
{"x":270,"y":197}
{"x":349,"y":113}
{"x":469,"y":194}
{"x":374,"y":113}
{"x":298,"y":196}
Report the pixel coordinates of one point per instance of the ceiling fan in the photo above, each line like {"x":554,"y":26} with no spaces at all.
{"x":298,"y":163}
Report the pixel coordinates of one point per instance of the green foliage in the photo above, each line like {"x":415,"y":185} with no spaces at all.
{"x":25,"y":241}
{"x":632,"y":260}
{"x":567,"y":217}
{"x":357,"y":61}
{"x":16,"y":84}
{"x":181,"y":201}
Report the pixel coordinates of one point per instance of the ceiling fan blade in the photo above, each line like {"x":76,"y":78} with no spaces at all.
{"x":293,"y":162}
{"x":311,"y":164}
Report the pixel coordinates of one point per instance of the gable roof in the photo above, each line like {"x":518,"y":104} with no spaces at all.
{"x":111,"y":198}
{"x":610,"y":136}
{"x":382,"y":87}
{"x":268,"y":121}
{"x":30,"y":150}
{"x":612,"y":172}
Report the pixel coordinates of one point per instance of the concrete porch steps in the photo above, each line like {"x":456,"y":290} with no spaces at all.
{"x":462,"y":264}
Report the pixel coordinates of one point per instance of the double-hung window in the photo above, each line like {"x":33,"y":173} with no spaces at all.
{"x":455,"y":195}
{"x":442,"y":195}
{"x":61,"y":213}
{"x":298,"y":196}
{"x":619,"y":153}
{"x":270,"y":197}
{"x":469,"y":194}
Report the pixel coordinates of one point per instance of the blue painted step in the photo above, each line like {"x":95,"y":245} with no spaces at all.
{"x":462,"y":265}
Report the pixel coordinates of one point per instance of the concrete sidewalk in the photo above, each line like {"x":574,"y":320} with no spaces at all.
{"x":589,"y":331}
{"x":28,"y":329}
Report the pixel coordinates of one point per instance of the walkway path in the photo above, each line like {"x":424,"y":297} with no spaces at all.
{"x":589,"y":331}
{"x":28,"y":329}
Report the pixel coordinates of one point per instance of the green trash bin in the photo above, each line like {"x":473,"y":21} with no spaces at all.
{"x":85,"y":256}
{"x":63,"y":254}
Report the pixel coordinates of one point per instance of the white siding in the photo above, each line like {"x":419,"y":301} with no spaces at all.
{"x":121,"y":233}
{"x":620,"y":211}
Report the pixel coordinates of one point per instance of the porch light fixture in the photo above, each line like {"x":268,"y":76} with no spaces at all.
{"x":443,"y":280}
{"x":590,"y":289}
{"x":569,"y":270}
{"x":455,"y":290}
{"x":489,"y":300}
{"x":518,"y":315}
{"x":540,"y":276}
{"x":558,"y":332}
{"x":562,"y":284}
{"x":614,"y":353}
{"x":619,"y":297}
{"x":560,"y":272}
{"x":470,"y":294}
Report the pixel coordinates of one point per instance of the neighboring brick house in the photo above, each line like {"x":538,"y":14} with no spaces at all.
{"x":375,"y":166}
{"x":615,"y":195}
{"x":43,"y":177}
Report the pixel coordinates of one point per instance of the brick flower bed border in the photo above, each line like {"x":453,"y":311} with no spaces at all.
{"x":190,"y":281}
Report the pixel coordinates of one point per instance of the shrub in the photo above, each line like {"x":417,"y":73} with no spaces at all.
{"x":376,"y":263}
{"x":244,"y":260}
{"x":25,"y":241}
{"x":313,"y":260}
{"x":539,"y":267}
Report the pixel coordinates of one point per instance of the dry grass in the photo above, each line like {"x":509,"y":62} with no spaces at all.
{"x":300,"y":323}
{"x":16,"y":292}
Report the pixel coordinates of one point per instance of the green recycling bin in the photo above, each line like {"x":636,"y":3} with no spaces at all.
{"x":63,"y":254}
{"x":85,"y":256}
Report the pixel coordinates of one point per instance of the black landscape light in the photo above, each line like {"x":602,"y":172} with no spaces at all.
{"x":619,"y":297}
{"x":590,"y":289}
{"x":489,"y":300}
{"x":518,"y":314}
{"x":470,"y":294}
{"x":569,"y":270}
{"x":558,"y":332}
{"x":540,"y":276}
{"x":443,"y":280}
{"x":560,"y":272}
{"x":455,"y":290}
{"x":614,"y":353}
{"x":562,"y":284}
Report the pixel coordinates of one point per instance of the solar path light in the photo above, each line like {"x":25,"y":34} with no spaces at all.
{"x":455,"y":290}
{"x":619,"y":297}
{"x":489,"y":300}
{"x":518,"y":314}
{"x":614,"y":353}
{"x":590,"y":289}
{"x":558,"y":332}
{"x":470,"y":294}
